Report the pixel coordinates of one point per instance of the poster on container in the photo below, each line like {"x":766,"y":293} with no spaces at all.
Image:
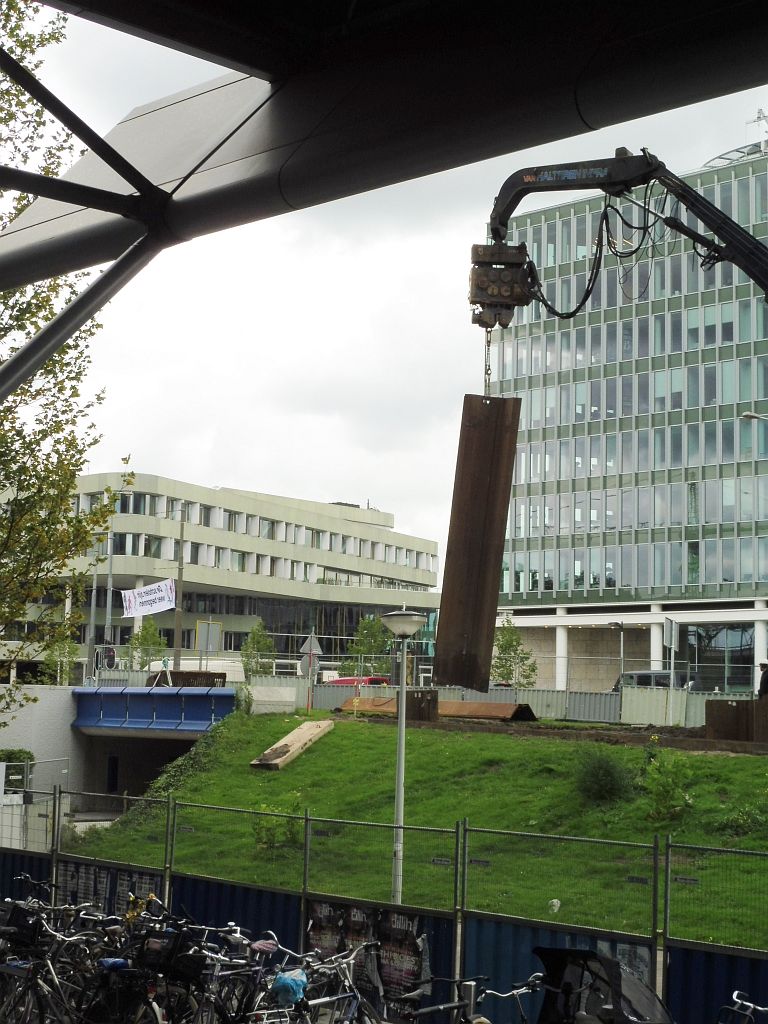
{"x":400,"y":964}
{"x":157,"y":597}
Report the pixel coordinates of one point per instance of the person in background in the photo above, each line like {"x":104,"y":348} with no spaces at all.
{"x":762,"y":689}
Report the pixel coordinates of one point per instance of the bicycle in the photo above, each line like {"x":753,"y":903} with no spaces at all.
{"x":742,"y":1012}
{"x":464,"y":1010}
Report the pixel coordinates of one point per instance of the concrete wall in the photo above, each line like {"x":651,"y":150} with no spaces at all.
{"x":44,"y":727}
{"x":593,"y":653}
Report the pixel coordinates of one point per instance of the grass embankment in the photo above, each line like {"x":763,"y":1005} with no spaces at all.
{"x":560,"y":788}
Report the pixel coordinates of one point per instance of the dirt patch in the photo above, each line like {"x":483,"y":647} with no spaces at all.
{"x":675,"y":737}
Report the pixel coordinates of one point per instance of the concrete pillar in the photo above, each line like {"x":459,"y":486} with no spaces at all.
{"x":657,"y":641}
{"x":561,"y":654}
{"x":761,"y":640}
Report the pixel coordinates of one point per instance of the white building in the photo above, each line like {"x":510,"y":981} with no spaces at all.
{"x":297,"y":565}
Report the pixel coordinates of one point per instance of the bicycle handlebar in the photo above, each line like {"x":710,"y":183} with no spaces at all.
{"x":741,"y":999}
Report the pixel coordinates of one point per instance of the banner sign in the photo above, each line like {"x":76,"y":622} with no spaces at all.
{"x":157,"y":597}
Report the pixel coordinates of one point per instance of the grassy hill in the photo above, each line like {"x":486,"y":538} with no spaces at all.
{"x":519,"y":783}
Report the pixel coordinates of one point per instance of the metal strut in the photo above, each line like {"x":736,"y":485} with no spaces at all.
{"x":147,"y":206}
{"x":487,"y":374}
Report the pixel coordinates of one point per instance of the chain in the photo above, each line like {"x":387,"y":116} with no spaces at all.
{"x":487,"y":381}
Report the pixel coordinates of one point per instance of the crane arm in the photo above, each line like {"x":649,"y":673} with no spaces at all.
{"x":503,"y":277}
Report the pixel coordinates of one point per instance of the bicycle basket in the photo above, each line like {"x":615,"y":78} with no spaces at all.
{"x":187,"y":966}
{"x":158,"y":949}
{"x":28,"y":925}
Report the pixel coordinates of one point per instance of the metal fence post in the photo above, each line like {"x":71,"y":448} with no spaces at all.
{"x":460,"y":893}
{"x":667,"y":894}
{"x":655,"y":934}
{"x":168,"y":856}
{"x":55,"y":839}
{"x":303,"y":916}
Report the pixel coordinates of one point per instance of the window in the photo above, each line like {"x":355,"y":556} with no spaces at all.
{"x":693,"y":438}
{"x":675,"y":386}
{"x":643,"y":393}
{"x":710,"y":384}
{"x":660,"y":505}
{"x":610,"y":396}
{"x":581,"y":237}
{"x":565,"y":350}
{"x":727,"y":446}
{"x":610,"y":343}
{"x":710,"y":443}
{"x":237,"y":561}
{"x":659,"y":334}
{"x":692,"y":328}
{"x":643,"y":451}
{"x":675,"y":446}
{"x":692,"y":390}
{"x":627,"y":339}
{"x":152,"y":546}
{"x":676,"y":332}
{"x":676,"y":505}
{"x":204,"y":515}
{"x":675,"y":275}
{"x":627,"y":388}
{"x":642,"y":337}
{"x":230,"y":520}
{"x":728,"y":501}
{"x":627,"y":446}
{"x":267,"y":529}
{"x":692,"y":575}
{"x":728,"y":381}
{"x":580,"y":348}
{"x":565,"y":241}
{"x":595,"y":346}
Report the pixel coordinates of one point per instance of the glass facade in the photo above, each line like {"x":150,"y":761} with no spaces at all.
{"x":636,"y":480}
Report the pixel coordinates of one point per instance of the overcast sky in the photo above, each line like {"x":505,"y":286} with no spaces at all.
{"x":323,"y":354}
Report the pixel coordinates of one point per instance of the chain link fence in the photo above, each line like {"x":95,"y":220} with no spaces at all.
{"x":354,"y":859}
{"x":607,"y":884}
{"x":716,"y":895}
{"x":113,"y":827}
{"x":257,"y":847}
{"x":701,"y":894}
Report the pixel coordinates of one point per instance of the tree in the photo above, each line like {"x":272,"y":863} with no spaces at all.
{"x":59,"y":663}
{"x":368,"y":651}
{"x":258,"y":651}
{"x":512,"y":662}
{"x":46,"y":426}
{"x":146,"y":644}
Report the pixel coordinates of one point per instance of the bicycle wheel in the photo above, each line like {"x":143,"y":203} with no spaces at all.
{"x":20,"y":1007}
{"x":366,"y":1014}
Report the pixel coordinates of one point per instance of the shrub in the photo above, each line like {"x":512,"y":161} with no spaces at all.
{"x":601,"y":777}
{"x":665,"y":780}
{"x":15,"y":755}
{"x":742,"y":821}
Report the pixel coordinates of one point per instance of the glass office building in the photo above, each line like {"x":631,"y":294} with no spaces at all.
{"x":640,"y":492}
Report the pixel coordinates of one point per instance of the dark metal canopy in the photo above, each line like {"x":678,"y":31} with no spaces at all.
{"x":329,"y":98}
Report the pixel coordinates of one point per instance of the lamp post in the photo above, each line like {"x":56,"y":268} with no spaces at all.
{"x":753,"y":416}
{"x":178,"y":611}
{"x":403,"y":624}
{"x":620,"y":627}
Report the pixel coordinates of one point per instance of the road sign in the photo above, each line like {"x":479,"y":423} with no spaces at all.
{"x":311,"y":645}
{"x":671,"y":634}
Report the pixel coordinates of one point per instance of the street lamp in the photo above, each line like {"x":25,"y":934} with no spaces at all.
{"x":620,"y":626}
{"x":402,"y":624}
{"x":753,"y":416}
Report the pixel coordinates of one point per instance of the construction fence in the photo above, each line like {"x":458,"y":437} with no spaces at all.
{"x":698,"y":894}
